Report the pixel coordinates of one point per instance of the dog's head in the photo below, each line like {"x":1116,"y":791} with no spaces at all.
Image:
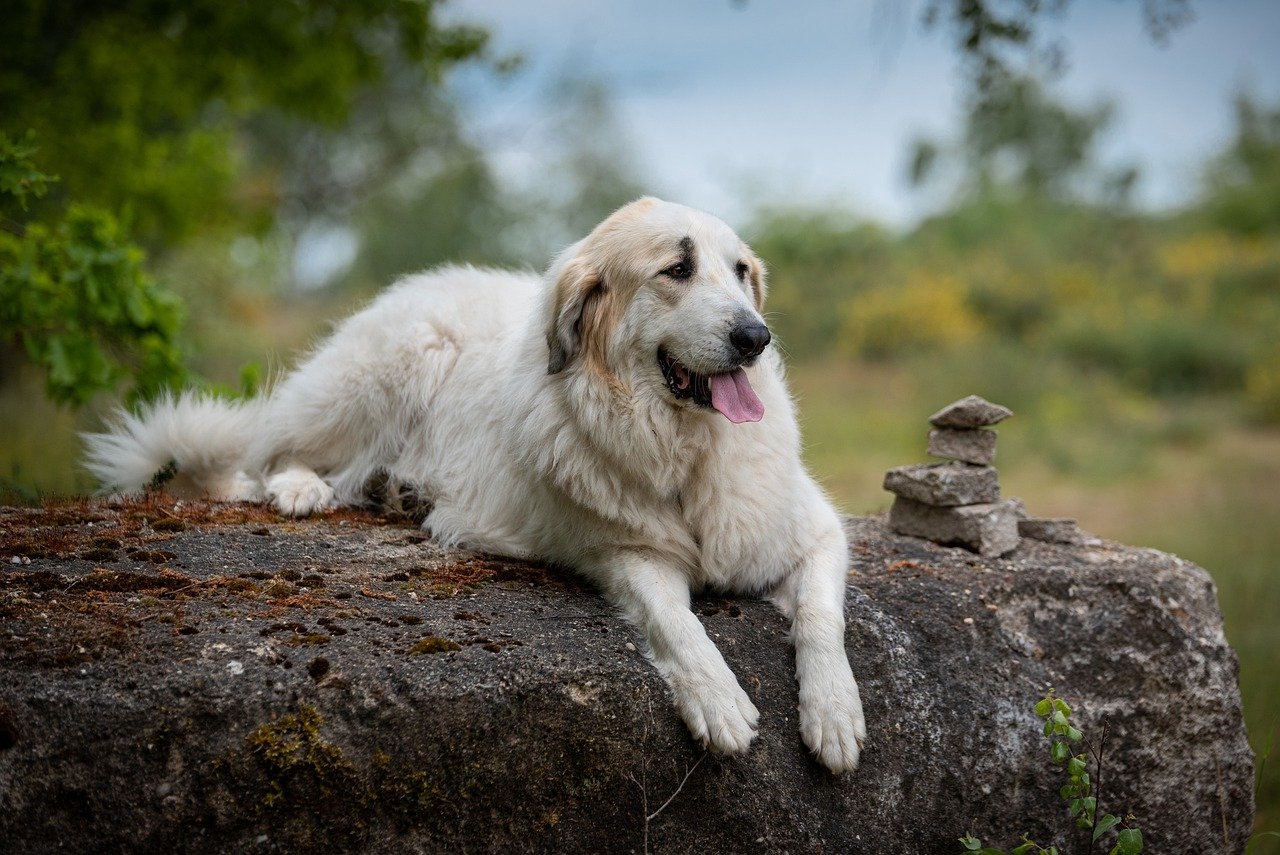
{"x":665,"y":295}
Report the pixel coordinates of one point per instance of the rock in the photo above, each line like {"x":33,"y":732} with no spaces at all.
{"x":970,"y":412}
{"x":975,"y":446}
{"x":988,"y":529}
{"x":546,"y":731}
{"x":1052,"y":530}
{"x":944,"y":484}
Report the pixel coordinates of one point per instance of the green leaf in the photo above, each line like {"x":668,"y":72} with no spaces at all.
{"x":1058,"y":717}
{"x":1104,"y":825}
{"x":1042,"y":709}
{"x":1128,"y":842}
{"x":1076,"y":765}
{"x":1059,"y":752}
{"x":970,"y":843}
{"x":1061,"y":706}
{"x":1073,"y":734}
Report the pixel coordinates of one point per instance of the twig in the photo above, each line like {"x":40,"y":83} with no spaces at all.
{"x":644,"y":801}
{"x":651,"y":816}
{"x":1097,"y":780}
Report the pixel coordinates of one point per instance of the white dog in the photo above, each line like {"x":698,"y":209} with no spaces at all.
{"x":622,"y":415}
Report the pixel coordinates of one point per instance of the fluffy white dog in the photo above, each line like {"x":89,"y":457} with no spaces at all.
{"x":622,"y":415}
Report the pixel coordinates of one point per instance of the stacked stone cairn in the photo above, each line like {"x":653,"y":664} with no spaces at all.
{"x":957,"y":503}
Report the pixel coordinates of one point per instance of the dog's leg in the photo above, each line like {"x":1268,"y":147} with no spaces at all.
{"x":707,"y":695}
{"x":297,"y":491}
{"x":812,"y":597}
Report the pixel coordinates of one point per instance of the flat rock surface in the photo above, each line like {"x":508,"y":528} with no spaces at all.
{"x":989,"y":529}
{"x":1052,"y":530}
{"x":196,"y":678}
{"x":944,"y":484}
{"x":971,"y":412}
{"x":974,"y":445}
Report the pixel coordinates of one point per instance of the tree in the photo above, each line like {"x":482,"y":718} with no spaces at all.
{"x":1243,"y":183}
{"x":999,"y":39}
{"x":1018,"y":139}
{"x":148,"y":113}
{"x":74,"y":294}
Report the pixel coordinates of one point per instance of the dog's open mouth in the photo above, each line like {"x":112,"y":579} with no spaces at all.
{"x":729,"y":393}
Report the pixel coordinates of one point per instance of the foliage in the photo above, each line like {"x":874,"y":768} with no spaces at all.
{"x":167,"y":121}
{"x":1018,"y":140}
{"x":1037,"y":257}
{"x":1082,"y":792}
{"x":816,"y":259}
{"x":1001,"y":38}
{"x":1243,"y":184}
{"x":75,"y":297}
{"x":140,"y":104}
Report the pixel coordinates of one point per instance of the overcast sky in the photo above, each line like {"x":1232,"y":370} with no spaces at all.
{"x":726,"y":105}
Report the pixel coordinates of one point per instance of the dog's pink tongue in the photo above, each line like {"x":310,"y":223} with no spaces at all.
{"x":733,"y":396}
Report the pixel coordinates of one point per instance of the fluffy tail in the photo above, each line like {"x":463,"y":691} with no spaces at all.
{"x":199,"y":438}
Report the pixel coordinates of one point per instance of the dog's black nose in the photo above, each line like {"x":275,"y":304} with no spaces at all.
{"x":749,"y":339}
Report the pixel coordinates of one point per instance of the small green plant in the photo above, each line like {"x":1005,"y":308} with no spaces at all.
{"x":1082,"y":792}
{"x":75,"y":297}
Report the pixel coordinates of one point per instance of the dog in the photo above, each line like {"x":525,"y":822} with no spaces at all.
{"x":622,"y":415}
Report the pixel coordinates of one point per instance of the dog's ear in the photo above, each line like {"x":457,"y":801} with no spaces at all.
{"x":576,"y":287}
{"x":755,"y":278}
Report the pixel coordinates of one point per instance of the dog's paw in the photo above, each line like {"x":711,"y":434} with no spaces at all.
{"x":832,"y":725}
{"x":298,"y":492}
{"x":720,"y":716}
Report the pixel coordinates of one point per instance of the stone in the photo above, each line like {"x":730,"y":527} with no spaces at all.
{"x":989,"y":529}
{"x":970,"y":412}
{"x":968,"y":445}
{"x":545,"y":732}
{"x":944,"y":484}
{"x":1052,"y":530}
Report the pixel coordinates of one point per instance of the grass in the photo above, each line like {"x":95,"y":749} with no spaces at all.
{"x":1184,"y":477}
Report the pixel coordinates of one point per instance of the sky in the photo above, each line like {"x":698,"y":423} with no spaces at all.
{"x":728,"y":106}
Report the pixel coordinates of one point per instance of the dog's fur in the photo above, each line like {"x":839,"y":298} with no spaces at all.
{"x":534,"y":416}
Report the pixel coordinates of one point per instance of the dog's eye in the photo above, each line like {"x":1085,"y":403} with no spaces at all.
{"x":679,"y":270}
{"x":741,"y":270}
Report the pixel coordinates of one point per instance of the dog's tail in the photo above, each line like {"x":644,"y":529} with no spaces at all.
{"x":199,"y":438}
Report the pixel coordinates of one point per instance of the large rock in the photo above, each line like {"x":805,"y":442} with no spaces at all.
{"x":215,"y":679}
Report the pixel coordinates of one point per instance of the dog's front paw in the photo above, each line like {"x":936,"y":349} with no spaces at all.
{"x":298,"y":492}
{"x":719,"y":714}
{"x":831,"y":723}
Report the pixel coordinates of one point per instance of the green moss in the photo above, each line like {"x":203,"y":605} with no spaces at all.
{"x":298,"y":762}
{"x":434,"y":644}
{"x":316,"y":798}
{"x":280,"y":588}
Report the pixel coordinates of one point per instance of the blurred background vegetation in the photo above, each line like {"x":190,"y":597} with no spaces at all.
{"x":190,"y":192}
